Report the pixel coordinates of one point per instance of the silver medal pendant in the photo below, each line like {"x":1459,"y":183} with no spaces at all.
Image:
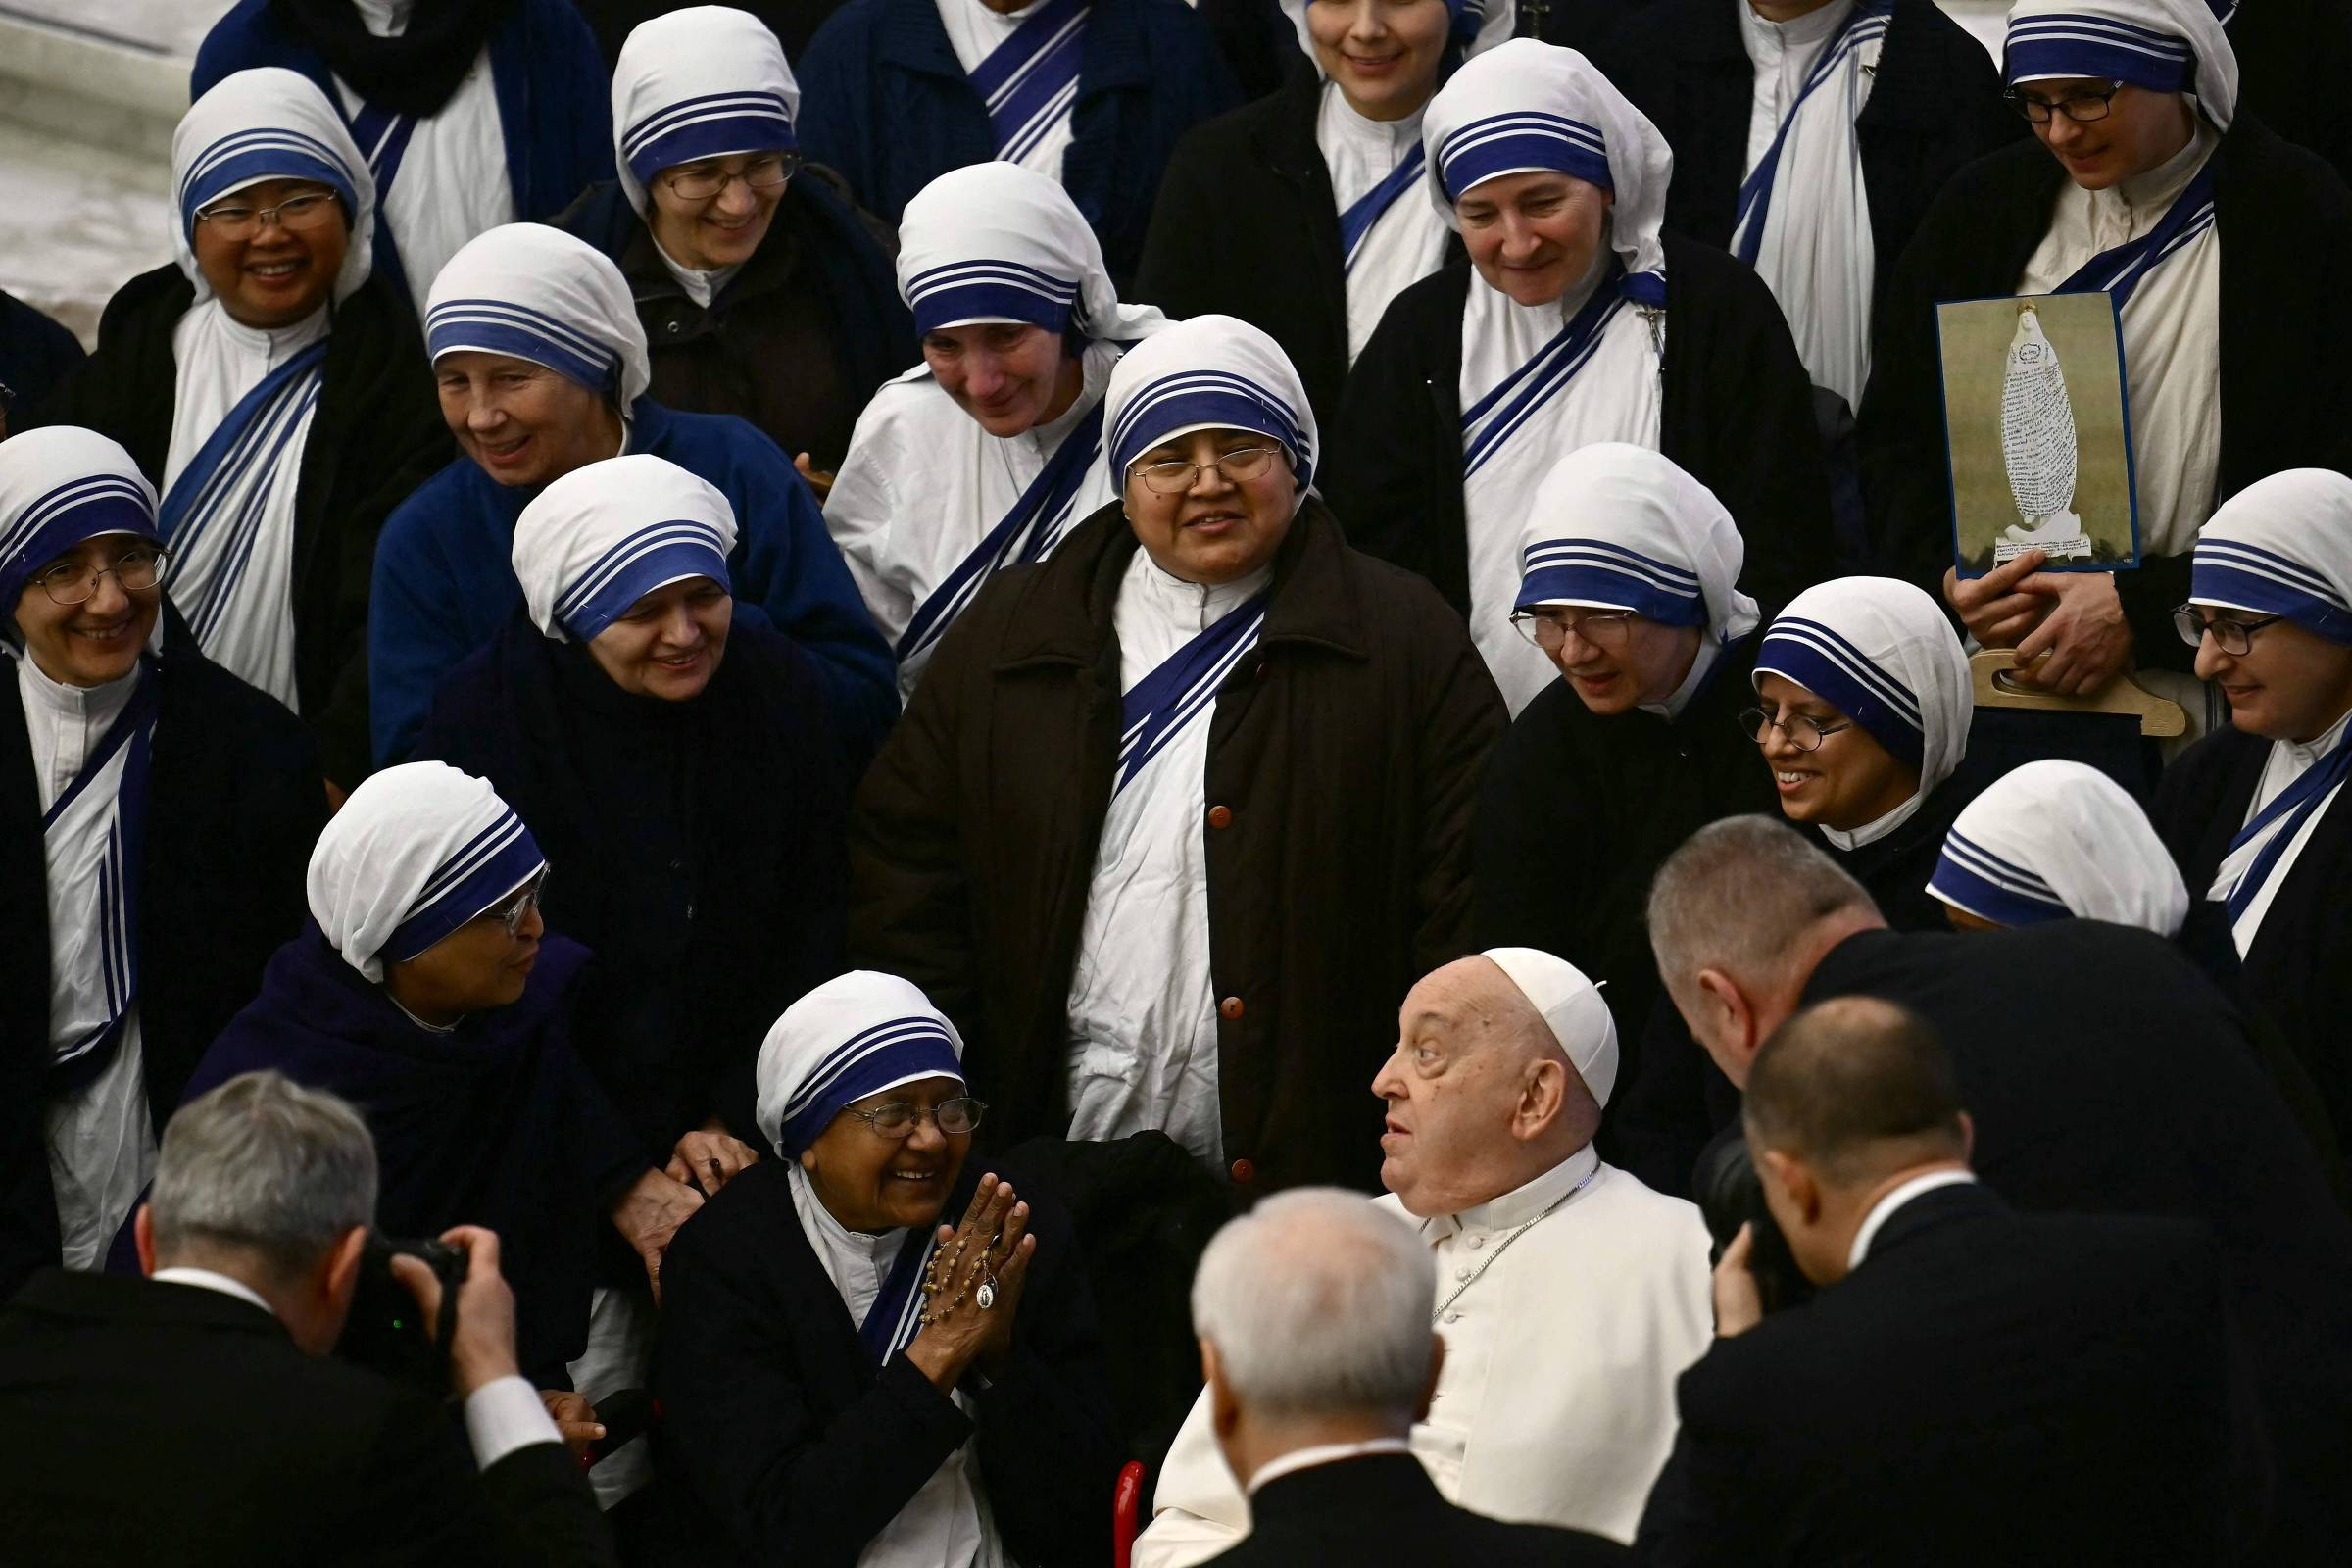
{"x":986,"y":1296}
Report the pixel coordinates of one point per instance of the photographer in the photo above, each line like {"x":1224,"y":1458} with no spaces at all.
{"x":196,"y":1417}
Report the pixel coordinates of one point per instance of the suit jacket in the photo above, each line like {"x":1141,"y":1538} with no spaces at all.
{"x":179,"y":1427}
{"x":1987,"y":1387}
{"x":1381,"y":1509}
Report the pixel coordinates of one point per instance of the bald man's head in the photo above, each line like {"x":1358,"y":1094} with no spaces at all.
{"x":1857,"y":1087}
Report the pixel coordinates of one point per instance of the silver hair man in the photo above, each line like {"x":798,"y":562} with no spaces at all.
{"x":264,"y":1167}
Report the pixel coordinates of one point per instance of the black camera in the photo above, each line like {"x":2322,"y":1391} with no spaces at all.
{"x":1730,"y":1194}
{"x":386,"y":1330}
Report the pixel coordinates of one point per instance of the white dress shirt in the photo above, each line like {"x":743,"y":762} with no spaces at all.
{"x":1299,"y":1459}
{"x":1885,"y":1208}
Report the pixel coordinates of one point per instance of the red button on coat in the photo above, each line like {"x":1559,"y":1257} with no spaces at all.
{"x":1244,"y":1172}
{"x":1220,"y":817}
{"x":1230,"y":1008}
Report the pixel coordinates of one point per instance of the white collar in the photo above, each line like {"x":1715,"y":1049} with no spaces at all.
{"x":1872,"y":832}
{"x":274,"y":344}
{"x":1322,"y":1453}
{"x":1709,"y":650}
{"x":2157,"y":189}
{"x":1520,"y":1205}
{"x":205,"y":1279}
{"x":1814,"y":26}
{"x":1192,"y":606}
{"x":2303,"y":753}
{"x":700,"y":286}
{"x":1392,"y":136}
{"x":385,"y":18}
{"x":87,"y":705}
{"x":1884,"y":1210}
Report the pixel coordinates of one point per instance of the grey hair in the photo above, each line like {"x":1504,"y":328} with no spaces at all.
{"x":263,"y":1166}
{"x":1737,"y":896}
{"x":1318,"y":1303}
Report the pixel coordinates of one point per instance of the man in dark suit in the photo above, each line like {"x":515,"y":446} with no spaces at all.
{"x":193,"y":1418}
{"x":1973,"y":1385}
{"x":2106,"y":1075}
{"x":1314,"y":1312}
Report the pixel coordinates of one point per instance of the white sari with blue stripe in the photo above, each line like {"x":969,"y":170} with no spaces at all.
{"x":1142,"y":1017}
{"x":1025,"y":68}
{"x":1389,"y":234}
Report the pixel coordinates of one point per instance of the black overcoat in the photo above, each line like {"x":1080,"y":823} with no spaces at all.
{"x":1343,"y":770}
{"x":377,"y":436}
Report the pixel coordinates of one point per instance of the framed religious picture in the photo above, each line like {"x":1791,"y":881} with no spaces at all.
{"x":2037,"y":426}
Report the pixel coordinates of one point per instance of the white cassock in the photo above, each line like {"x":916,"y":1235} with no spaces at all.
{"x":1555,"y":1404}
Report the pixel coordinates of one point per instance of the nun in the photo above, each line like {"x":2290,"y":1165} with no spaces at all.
{"x":426,"y":989}
{"x":1862,"y":715}
{"x":872,"y":1351}
{"x":763,"y":291}
{"x":1179,"y":815}
{"x":1315,"y":194}
{"x":1088,"y":93}
{"x":2145,"y":181}
{"x":540,"y":361}
{"x":1627,"y":566}
{"x":986,"y":454}
{"x":155,"y":812}
{"x":471,"y":112}
{"x":2252,"y":812}
{"x":2057,"y":839}
{"x":269,"y":384}
{"x":678,"y":762}
{"x":1572,"y":321}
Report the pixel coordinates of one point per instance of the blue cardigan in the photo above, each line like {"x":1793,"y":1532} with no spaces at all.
{"x":885,"y":102}
{"x":554,"y":97}
{"x":445,"y":579}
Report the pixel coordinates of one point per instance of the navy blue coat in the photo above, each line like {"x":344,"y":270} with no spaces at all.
{"x":885,"y":102}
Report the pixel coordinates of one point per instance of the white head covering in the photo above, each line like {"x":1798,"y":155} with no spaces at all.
{"x":605,"y":535}
{"x":1571,"y":1005}
{"x":1210,"y":372}
{"x":2057,"y":839}
{"x":58,"y":487}
{"x":416,"y":852}
{"x":1478,"y":25}
{"x":2283,"y":546}
{"x":1527,"y":105}
{"x":851,"y":1037}
{"x":268,"y":124}
{"x":708,"y":82}
{"x":1619,"y":526}
{"x":997,"y":242}
{"x":541,"y":294}
{"x":2162,"y":45}
{"x":1881,"y":652}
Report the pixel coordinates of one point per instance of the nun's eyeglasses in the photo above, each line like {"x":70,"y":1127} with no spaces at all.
{"x":235,"y":220}
{"x":75,"y":583}
{"x":899,"y":1119}
{"x":1547,"y":629}
{"x":1174,"y":478}
{"x":517,"y":907}
{"x":2079,"y":107}
{"x":2234,"y":637}
{"x":765,"y":173}
{"x":1805,"y":734}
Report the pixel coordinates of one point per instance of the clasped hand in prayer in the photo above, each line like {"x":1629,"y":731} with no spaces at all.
{"x":986,"y":1256}
{"x":2068,"y":627}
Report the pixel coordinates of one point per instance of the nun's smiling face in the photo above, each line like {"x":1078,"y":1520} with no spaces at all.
{"x":2142,"y":129}
{"x":718,"y":227}
{"x":99,"y":639}
{"x":2290,"y":684}
{"x":1615,"y":662}
{"x":271,"y":251}
{"x":1230,"y":507}
{"x":1008,"y":376}
{"x":1383,"y":54}
{"x":669,"y":643}
{"x":1532,"y":235}
{"x":1847,"y":782}
{"x":523,"y":422}
{"x":873,"y":1183}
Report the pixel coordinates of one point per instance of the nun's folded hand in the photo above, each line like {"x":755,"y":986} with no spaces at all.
{"x":1997,"y":612}
{"x":992,"y":1247}
{"x":649,"y":1214}
{"x":710,"y":1157}
{"x":2084,"y":643}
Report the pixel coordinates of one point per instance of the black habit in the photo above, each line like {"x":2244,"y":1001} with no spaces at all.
{"x":1934,"y":104}
{"x":1738,"y":417}
{"x":1381,"y":1511}
{"x":801,"y":1448}
{"x":234,"y":807}
{"x":2286,"y":332}
{"x":2106,"y":1075}
{"x":1987,"y":1387}
{"x":378,"y":435}
{"x":1247,"y":225}
{"x":1343,"y":770}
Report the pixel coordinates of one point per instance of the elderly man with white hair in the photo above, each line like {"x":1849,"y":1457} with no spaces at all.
{"x":1569,"y":1295}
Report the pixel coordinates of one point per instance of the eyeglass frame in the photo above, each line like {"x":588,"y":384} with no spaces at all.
{"x":1192,"y":471}
{"x":790,"y":160}
{"x":1753,"y":722}
{"x":918,"y":1115}
{"x":518,"y":904}
{"x":2184,"y":618}
{"x":264,"y":216}
{"x":2025,"y":103}
{"x":1525,"y":622}
{"x":160,"y":554}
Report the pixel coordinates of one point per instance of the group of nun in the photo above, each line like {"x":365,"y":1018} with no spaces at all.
{"x":995,"y":624}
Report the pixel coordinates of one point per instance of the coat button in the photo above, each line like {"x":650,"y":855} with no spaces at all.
{"x":671,"y":328}
{"x":1244,"y":1172}
{"x":1220,"y":817}
{"x":1230,"y":1008}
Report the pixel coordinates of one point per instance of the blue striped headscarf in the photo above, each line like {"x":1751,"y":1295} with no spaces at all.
{"x":854,"y":1036}
{"x":2162,"y":45}
{"x":708,"y":82}
{"x":58,"y":487}
{"x":2056,"y":840}
{"x":1208,"y":372}
{"x":268,"y":124}
{"x":539,"y":294}
{"x":997,"y":242}
{"x":1617,"y":527}
{"x":605,"y":535}
{"x":1881,"y":652}
{"x":2283,"y":546}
